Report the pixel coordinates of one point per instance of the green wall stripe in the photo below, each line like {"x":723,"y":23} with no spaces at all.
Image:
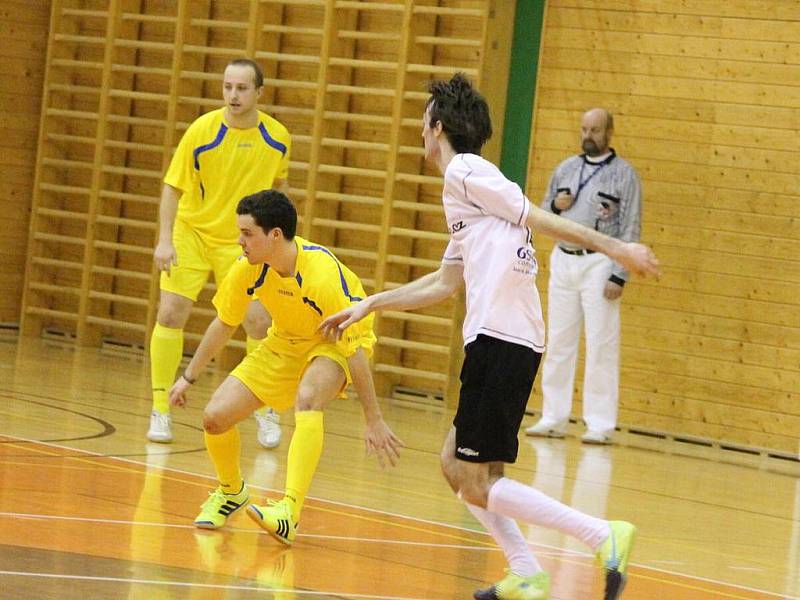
{"x":528,"y":24}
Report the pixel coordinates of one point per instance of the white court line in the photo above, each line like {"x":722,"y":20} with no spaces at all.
{"x":415,"y":519}
{"x":345,"y":538}
{"x":187,"y":584}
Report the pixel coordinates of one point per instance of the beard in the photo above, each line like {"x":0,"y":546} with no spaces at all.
{"x":591,"y":148}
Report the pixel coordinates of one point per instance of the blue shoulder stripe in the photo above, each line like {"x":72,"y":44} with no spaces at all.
{"x":270,"y":140}
{"x":223,"y":129}
{"x":260,"y":281}
{"x":345,"y":289}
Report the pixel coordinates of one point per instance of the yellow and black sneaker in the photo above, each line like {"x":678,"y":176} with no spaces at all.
{"x":276,"y":519}
{"x":219,"y":506}
{"x":514,"y":587}
{"x":613,"y":555}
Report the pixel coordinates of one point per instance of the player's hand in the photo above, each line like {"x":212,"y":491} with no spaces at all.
{"x":639,"y":259}
{"x":165,"y":256}
{"x":381,"y":441}
{"x":333,"y":327}
{"x":563,"y":201}
{"x":612,"y":290}
{"x":603,"y":211}
{"x":177,"y":394}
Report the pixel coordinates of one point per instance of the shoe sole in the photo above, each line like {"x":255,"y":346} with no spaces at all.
{"x":615,"y":585}
{"x":258,"y":519}
{"x":160,"y":440}
{"x":546,"y":434}
{"x":208,"y":525}
{"x":616,"y":580}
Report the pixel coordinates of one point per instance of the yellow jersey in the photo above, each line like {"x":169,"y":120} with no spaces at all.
{"x":320,"y":287}
{"x":216,"y":165}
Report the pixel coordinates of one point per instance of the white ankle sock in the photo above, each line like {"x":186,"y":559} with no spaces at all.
{"x":506,"y":533}
{"x":524,"y":503}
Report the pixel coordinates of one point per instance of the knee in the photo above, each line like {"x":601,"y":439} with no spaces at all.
{"x":256,"y":325}
{"x":168,"y":318}
{"x":170,"y":315}
{"x":447,"y":463}
{"x":307,"y":398}
{"x":450,"y":479}
{"x":214,"y":421}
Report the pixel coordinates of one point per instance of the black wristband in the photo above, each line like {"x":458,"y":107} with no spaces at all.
{"x":618,"y":280}
{"x":190,"y":381}
{"x":556,"y":211}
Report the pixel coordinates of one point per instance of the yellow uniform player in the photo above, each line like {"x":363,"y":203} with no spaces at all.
{"x":300,"y":283}
{"x":224,"y":155}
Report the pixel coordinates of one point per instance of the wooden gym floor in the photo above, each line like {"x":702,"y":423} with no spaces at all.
{"x":89,"y":509}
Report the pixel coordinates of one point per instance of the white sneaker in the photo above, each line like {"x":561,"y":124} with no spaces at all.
{"x":269,"y":427}
{"x":160,"y":431}
{"x":542,"y":429}
{"x":595,"y":437}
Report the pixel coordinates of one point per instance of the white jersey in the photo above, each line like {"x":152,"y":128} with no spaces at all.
{"x":486,"y":215}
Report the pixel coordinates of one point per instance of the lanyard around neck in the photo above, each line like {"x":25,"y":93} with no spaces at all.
{"x":582,"y":183}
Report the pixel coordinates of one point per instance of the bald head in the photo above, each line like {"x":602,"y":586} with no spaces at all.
{"x":597,"y":126}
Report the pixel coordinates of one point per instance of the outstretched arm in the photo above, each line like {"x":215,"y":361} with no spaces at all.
{"x":430,"y":289}
{"x":378,"y":437}
{"x":635,"y":257}
{"x":215,"y":337}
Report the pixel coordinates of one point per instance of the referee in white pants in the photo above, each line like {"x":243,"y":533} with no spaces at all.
{"x":600,"y":190}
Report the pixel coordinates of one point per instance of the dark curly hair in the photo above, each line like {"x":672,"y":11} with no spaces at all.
{"x":462,"y":111}
{"x":270,"y":209}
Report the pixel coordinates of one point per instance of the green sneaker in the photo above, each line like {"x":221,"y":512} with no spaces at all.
{"x":613,"y":556}
{"x":514,"y":587}
{"x":219,"y":506}
{"x":276,"y":519}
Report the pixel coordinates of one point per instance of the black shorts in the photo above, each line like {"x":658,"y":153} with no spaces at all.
{"x":496,"y":382}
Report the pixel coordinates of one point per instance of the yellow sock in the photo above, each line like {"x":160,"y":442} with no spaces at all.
{"x":304,"y":452}
{"x":166,"y":351}
{"x":224,"y":450}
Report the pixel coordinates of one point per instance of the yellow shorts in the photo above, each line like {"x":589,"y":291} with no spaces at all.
{"x":274,"y":376}
{"x":195,"y":260}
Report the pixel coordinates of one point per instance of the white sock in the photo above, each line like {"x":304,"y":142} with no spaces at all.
{"x":506,"y":533}
{"x":524,"y":503}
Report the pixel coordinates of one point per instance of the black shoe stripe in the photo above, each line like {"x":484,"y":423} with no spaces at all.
{"x":283,"y":527}
{"x":229,"y":507}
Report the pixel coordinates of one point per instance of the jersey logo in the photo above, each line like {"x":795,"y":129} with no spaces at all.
{"x":285,"y":293}
{"x":456,"y":227}
{"x":526,"y":262}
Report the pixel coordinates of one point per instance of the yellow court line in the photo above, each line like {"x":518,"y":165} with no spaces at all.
{"x":383,"y":487}
{"x":704,"y":549}
{"x":100,"y":461}
{"x":416,"y":529}
{"x":697,"y":588}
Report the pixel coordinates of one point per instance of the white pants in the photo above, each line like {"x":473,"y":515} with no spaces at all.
{"x":575,"y":296}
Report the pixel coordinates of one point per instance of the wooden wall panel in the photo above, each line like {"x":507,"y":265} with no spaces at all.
{"x":23,"y":27}
{"x":348,"y":78}
{"x":706,"y":104}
